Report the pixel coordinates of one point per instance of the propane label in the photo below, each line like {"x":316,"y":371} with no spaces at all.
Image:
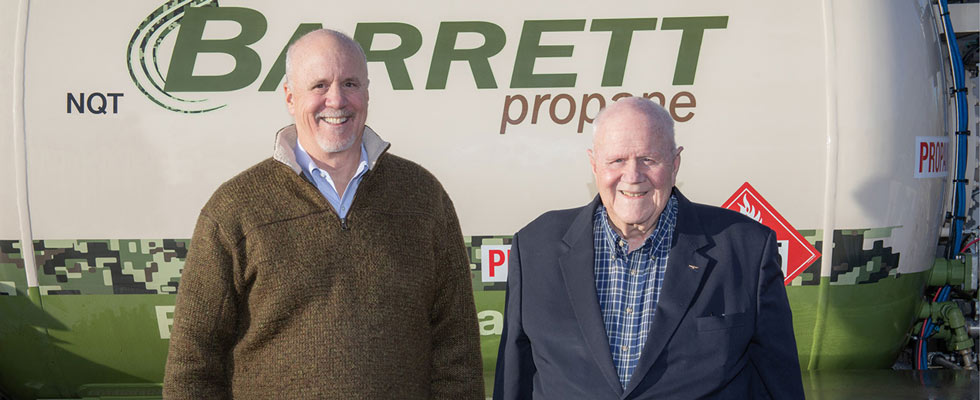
{"x":931,"y":153}
{"x":494,"y":262}
{"x":796,"y":252}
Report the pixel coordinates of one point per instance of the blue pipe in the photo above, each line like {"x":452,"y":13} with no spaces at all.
{"x":959,"y":91}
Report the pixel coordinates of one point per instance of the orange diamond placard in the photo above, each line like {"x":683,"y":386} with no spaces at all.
{"x":797,"y":253}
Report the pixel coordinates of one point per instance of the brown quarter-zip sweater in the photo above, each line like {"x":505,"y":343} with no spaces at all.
{"x":278,"y":299}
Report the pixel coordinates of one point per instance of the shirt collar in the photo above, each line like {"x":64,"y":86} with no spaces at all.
{"x":668,"y":217}
{"x":306,"y":162}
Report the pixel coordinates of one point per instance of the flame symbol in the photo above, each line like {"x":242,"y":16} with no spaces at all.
{"x":746,"y":209}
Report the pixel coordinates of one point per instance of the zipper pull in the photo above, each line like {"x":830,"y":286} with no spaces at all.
{"x":343,"y":224}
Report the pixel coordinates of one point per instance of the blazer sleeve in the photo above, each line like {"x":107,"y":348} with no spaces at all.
{"x":515,"y":368}
{"x":772,"y":350}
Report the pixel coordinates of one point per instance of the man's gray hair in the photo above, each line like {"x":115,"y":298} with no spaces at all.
{"x":657,"y":115}
{"x":343,"y":37}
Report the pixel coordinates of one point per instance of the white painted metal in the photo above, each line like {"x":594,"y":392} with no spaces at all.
{"x":830,"y":178}
{"x":890,"y":90}
{"x":817,"y":107}
{"x":9,"y":220}
{"x":19,"y":134}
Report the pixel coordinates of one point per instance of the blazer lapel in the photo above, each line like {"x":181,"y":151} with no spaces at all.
{"x":577,"y":267}
{"x":686,"y":267}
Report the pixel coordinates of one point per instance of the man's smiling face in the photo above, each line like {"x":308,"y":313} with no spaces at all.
{"x":327,"y":94}
{"x":635,"y":165}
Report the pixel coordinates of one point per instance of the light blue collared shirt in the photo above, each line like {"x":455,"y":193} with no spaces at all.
{"x":326,"y":185}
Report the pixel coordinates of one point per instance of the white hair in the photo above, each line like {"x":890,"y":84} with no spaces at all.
{"x":658,"y":116}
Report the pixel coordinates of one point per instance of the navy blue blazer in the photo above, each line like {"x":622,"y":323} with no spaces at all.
{"x":722,"y":330}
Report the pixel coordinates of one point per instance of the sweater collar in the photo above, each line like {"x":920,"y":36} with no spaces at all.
{"x":284,"y":151}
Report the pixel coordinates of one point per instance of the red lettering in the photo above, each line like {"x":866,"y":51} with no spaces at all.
{"x":923,"y":154}
{"x":942,"y":157}
{"x":496,"y":259}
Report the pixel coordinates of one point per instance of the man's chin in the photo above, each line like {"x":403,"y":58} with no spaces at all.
{"x":631,"y":217}
{"x":335,"y":146}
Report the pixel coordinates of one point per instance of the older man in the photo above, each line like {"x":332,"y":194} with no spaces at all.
{"x":333,"y":269}
{"x":642,"y":294}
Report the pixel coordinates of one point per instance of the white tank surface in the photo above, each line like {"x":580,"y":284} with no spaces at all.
{"x":120,"y":119}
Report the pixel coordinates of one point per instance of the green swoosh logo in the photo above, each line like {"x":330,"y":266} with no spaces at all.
{"x":142,"y":58}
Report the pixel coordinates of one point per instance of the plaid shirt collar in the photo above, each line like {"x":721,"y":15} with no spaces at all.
{"x":667,"y":217}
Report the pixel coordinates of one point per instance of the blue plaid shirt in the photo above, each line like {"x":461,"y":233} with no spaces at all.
{"x":628,"y":284}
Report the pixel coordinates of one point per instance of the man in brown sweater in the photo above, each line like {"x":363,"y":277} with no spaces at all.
{"x":331,"y":270}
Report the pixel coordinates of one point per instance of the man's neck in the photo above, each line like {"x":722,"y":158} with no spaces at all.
{"x":635,"y":234}
{"x":341,"y":166}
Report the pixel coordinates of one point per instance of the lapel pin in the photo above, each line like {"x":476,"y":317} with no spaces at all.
{"x":694,"y":267}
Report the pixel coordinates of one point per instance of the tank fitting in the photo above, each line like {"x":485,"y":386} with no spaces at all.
{"x":952,"y":329}
{"x":953,"y":272}
{"x":966,"y":354}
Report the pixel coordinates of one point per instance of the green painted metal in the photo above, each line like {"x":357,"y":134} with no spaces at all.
{"x":23,"y":346}
{"x":864,"y":326}
{"x":114,"y":338}
{"x":860,"y":327}
{"x":490,"y":308}
{"x":133,"y":391}
{"x":13,"y":278}
{"x":951,"y":272}
{"x":819,"y":326}
{"x":890,"y":384}
{"x":115,"y":346}
{"x":73,"y":345}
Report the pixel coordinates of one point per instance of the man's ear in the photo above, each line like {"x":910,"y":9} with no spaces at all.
{"x":677,"y":162}
{"x":591,"y":160}
{"x":289,"y":97}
